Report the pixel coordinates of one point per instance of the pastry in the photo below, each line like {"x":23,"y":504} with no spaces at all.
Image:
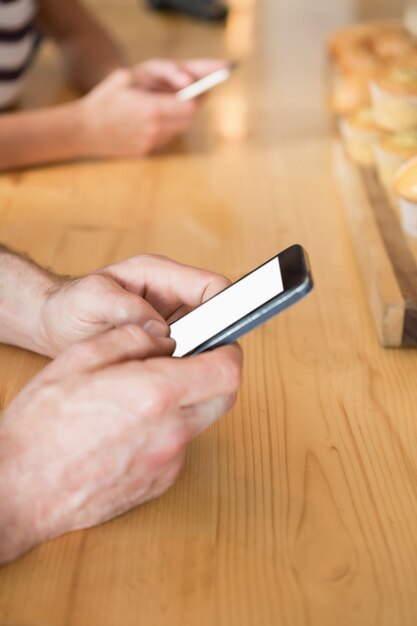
{"x":405,"y":188}
{"x":394,"y":97}
{"x":391,"y":152}
{"x":359,"y":55}
{"x":348,"y":93}
{"x":360,"y":133}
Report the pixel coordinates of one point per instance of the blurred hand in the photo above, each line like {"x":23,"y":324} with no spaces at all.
{"x":134,"y":111}
{"x":121,"y":120}
{"x":102,"y":429}
{"x":145,"y":290}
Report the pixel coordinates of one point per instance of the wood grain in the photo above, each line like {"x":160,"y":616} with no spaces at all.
{"x":299,"y":508}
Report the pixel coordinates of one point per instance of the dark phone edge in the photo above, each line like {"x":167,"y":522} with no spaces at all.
{"x":286,"y":260}
{"x":255,"y":318}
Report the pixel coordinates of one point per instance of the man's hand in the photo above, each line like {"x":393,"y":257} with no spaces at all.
{"x":48,"y":313}
{"x":102,"y":429}
{"x":145,"y":290}
{"x":134,"y":111}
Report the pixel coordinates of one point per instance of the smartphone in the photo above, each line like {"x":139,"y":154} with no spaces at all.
{"x":206,"y":83}
{"x":249,"y":302}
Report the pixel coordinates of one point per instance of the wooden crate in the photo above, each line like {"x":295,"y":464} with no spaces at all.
{"x":387,"y":256}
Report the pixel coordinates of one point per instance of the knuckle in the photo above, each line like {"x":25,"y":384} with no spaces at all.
{"x":123,"y":314}
{"x":94,"y":282}
{"x":159,"y":399}
{"x":153,"y":259}
{"x":125,"y":308}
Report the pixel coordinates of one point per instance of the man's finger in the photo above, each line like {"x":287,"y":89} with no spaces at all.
{"x":198,"y":417}
{"x":205,"y":376}
{"x":115,"y":307}
{"x":112,"y":347}
{"x":202,"y":67}
{"x":162,"y":73}
{"x":166,"y":284}
{"x":173,"y":384}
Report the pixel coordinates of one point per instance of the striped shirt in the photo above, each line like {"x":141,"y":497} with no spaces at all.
{"x":18,"y":42}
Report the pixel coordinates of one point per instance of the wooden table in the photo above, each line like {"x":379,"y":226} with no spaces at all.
{"x":300,"y":507}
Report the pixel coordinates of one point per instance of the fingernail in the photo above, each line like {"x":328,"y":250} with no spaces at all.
{"x":156,"y":328}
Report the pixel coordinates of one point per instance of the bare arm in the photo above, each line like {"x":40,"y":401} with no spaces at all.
{"x":47,"y":313}
{"x":116,"y":119}
{"x":88,"y":51}
{"x":24,"y":286}
{"x":37,"y":137}
{"x":43,"y":312}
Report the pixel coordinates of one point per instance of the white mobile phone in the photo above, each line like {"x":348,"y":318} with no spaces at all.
{"x":247,"y":303}
{"x":206,"y":83}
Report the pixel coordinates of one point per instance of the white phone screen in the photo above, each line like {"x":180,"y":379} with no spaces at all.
{"x":229,"y":306}
{"x":204,"y":84}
